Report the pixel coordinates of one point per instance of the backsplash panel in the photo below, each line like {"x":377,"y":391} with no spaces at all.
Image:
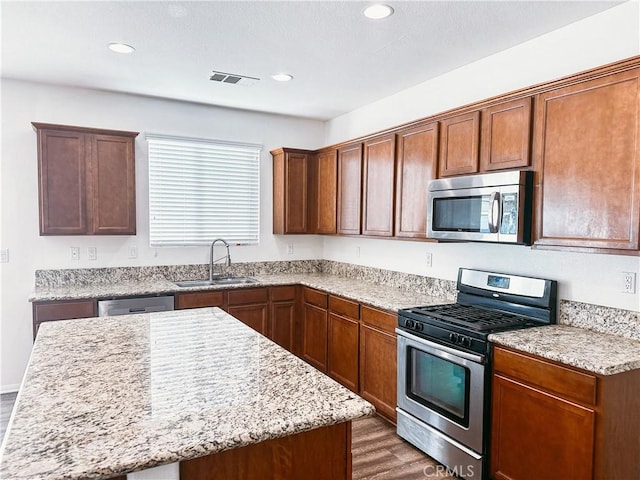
{"x":615,"y":321}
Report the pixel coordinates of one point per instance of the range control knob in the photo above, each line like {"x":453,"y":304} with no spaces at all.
{"x":466,"y":342}
{"x":409,"y":324}
{"x":453,"y":337}
{"x":419,"y":326}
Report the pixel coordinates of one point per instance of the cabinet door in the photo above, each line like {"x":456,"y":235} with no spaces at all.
{"x":378,"y":370}
{"x":282,"y":324}
{"x":417,"y":158}
{"x":588,"y":165}
{"x":343,"y":342}
{"x":506,"y":135}
{"x":349,"y":189}
{"x":459,"y":144}
{"x":290,"y":196}
{"x":255,"y":316}
{"x":62,"y":182}
{"x":111,"y":185}
{"x":377,"y":188}
{"x":536,"y":435}
{"x":314,"y":336}
{"x":327,"y":193}
{"x":62,"y":310}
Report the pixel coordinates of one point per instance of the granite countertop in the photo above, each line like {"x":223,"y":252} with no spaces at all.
{"x":381,"y":296}
{"x":595,"y":352}
{"x":103,"y":397}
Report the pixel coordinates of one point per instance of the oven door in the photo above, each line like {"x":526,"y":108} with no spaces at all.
{"x":443,"y":387}
{"x":490,"y":214}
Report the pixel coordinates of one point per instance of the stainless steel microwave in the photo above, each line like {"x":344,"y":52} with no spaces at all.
{"x":493,"y":207}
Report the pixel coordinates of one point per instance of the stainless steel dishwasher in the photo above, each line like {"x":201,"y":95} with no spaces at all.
{"x":126,"y":306}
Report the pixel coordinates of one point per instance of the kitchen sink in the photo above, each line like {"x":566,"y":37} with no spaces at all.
{"x":217,"y":281}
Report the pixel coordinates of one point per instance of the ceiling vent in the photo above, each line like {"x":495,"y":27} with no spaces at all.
{"x":233,"y":78}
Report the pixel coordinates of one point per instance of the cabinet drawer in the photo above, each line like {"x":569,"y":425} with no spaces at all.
{"x":343,"y":307}
{"x":248,"y":296}
{"x":44,"y":312}
{"x":314,"y":297}
{"x":384,"y":321}
{"x":199,"y":299}
{"x":568,"y":383}
{"x":280,"y":294}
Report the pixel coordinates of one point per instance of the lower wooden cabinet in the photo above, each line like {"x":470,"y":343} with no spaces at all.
{"x":553,"y":421}
{"x":343,"y":339}
{"x":378,"y":360}
{"x":200,"y":299}
{"x":62,"y":310}
{"x":283,"y":316}
{"x":250,"y":306}
{"x":314,"y":328}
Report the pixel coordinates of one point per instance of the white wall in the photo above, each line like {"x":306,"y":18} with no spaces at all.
{"x":610,"y":36}
{"x":24,"y":102}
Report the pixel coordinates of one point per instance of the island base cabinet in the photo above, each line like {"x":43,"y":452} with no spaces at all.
{"x":320,"y":454}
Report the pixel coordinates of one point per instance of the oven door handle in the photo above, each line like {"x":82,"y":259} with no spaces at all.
{"x":443,"y":348}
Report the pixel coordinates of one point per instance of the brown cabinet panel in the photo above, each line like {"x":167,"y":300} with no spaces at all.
{"x":536,"y":435}
{"x":86,"y":180}
{"x":314,"y":297}
{"x":62,"y":180}
{"x":112,"y":185}
{"x":344,"y":307}
{"x":246,"y":296}
{"x":200,"y":299}
{"x":378,"y":180}
{"x":285,"y":292}
{"x":387,"y":322}
{"x":378,"y":370}
{"x":417,"y":159}
{"x":327,"y":192}
{"x":290,"y":196}
{"x":320,"y":454}
{"x":282,"y":330}
{"x":459,"y":144}
{"x":254,"y":316}
{"x":588,"y":165}
{"x":506,"y":135}
{"x":343,"y":343}
{"x":349,"y":189}
{"x":314,"y":336}
{"x":62,"y":310}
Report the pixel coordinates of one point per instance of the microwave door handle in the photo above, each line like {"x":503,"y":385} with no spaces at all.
{"x":495,"y":213}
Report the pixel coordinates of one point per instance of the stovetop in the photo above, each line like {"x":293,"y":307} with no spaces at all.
{"x":487,"y":303}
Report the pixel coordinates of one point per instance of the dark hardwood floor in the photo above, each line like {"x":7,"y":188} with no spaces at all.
{"x":378,"y":453}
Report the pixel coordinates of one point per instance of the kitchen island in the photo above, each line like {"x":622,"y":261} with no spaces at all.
{"x":104,"y":397}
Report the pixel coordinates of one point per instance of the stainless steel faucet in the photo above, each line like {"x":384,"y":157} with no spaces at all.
{"x":212,"y":261}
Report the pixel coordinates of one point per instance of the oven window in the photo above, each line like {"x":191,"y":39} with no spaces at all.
{"x":461,"y":214}
{"x":439,"y":384}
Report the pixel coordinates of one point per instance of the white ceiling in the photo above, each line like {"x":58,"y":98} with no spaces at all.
{"x":340,"y":59}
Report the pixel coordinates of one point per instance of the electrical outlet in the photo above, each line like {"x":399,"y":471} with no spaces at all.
{"x":133,"y":251}
{"x":4,"y":255}
{"x":357,"y":251}
{"x":92,"y":253}
{"x":429,"y":259}
{"x":628,"y":282}
{"x":75,"y":253}
{"x":290,"y":249}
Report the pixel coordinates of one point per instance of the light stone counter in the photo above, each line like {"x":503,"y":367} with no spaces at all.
{"x":103,"y":397}
{"x":375,"y":294}
{"x":592,"y":351}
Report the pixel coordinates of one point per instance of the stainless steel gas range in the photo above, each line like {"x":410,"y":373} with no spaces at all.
{"x":444,"y":367}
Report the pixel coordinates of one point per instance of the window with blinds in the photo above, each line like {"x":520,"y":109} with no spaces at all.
{"x":200,"y":190}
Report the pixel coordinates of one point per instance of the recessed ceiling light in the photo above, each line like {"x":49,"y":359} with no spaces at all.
{"x":121,"y":48}
{"x":282,"y":77}
{"x":378,"y":11}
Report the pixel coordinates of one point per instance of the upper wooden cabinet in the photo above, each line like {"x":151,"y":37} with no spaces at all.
{"x":378,"y":186}
{"x":325,"y":198}
{"x":505,"y":141}
{"x":86,"y":180}
{"x":290,"y":197}
{"x":459,"y":144}
{"x":416,"y":161}
{"x":587,"y":164}
{"x":349,"y":189}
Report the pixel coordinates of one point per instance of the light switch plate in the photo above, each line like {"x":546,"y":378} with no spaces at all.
{"x":92,"y":253}
{"x":4,"y":255}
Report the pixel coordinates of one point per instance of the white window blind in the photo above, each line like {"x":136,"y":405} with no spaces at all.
{"x":200,"y":190}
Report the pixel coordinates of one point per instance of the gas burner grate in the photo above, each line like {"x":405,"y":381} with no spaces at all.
{"x":475,"y":318}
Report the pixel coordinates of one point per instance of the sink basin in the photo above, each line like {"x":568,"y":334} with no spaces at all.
{"x":217,"y":281}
